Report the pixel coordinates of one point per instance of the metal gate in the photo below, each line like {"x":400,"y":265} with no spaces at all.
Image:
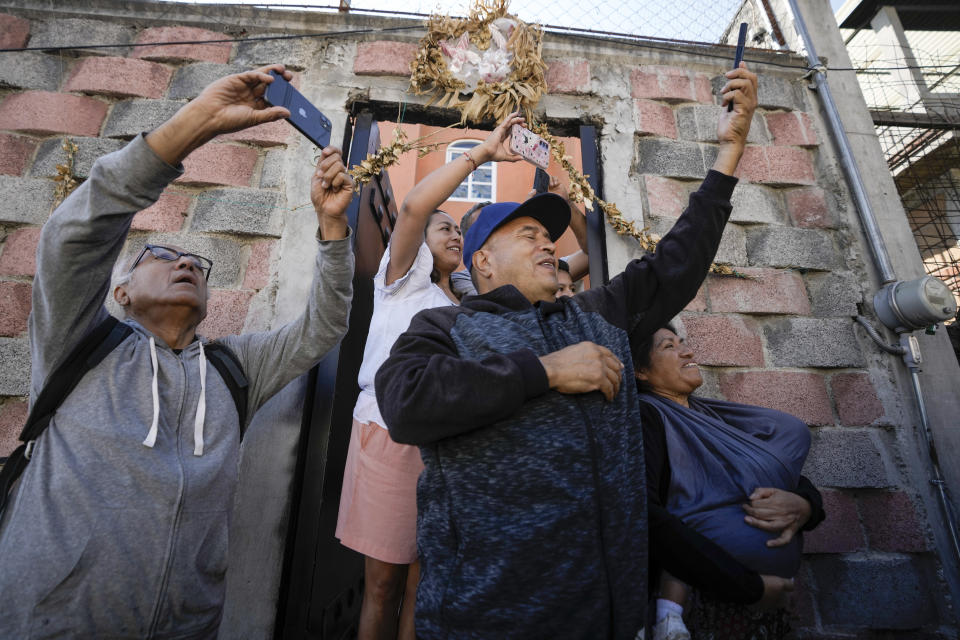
{"x":322,"y":581}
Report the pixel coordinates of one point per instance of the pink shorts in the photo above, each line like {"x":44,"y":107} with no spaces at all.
{"x":378,"y":504}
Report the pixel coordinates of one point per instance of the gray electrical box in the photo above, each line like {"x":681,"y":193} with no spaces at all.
{"x":914,"y":304}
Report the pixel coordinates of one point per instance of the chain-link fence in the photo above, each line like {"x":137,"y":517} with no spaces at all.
{"x":911,"y":86}
{"x":701,"y":21}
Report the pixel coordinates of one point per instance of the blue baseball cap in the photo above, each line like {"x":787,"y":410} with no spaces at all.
{"x":549,"y":209}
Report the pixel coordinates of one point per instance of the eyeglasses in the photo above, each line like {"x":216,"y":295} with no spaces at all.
{"x":166,"y":253}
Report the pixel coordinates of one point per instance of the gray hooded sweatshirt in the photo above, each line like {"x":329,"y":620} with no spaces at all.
{"x":105,"y":536}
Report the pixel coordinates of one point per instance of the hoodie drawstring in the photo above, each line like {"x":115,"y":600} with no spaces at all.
{"x":151,"y":438}
{"x":201,"y":406}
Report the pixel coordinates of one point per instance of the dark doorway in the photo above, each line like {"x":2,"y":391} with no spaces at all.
{"x":322,"y":582}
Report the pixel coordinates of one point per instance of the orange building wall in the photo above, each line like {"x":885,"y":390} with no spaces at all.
{"x":514,"y":179}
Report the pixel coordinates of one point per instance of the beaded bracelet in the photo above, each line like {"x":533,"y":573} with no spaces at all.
{"x":467,"y":155}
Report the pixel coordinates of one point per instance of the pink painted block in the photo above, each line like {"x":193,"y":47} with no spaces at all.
{"x":384,"y":58}
{"x":218,"y":52}
{"x":792,"y":128}
{"x":14,"y":307}
{"x":655,"y":119}
{"x":270,"y":134}
{"x":771,"y":291}
{"x":219,"y":164}
{"x":856,"y":399}
{"x":14,"y":31}
{"x":803,"y":394}
{"x":808,"y":208}
{"x":892,"y":523}
{"x":568,"y":76}
{"x":19,"y":257}
{"x":226,"y":312}
{"x":13,"y":415}
{"x":166,"y":214}
{"x":258,"y":265}
{"x":45,"y":113}
{"x":15,"y":154}
{"x":723,"y":340}
{"x":119,"y":77}
{"x":841,"y":531}
{"x":666,"y":197}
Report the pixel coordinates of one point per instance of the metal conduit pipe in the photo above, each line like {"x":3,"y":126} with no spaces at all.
{"x":937,"y":479}
{"x":882,"y":260}
{"x":864,"y":209}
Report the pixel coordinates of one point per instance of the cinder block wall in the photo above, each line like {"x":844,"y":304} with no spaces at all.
{"x":783,"y":338}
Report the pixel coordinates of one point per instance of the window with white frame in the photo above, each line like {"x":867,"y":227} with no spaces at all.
{"x":481,"y":184}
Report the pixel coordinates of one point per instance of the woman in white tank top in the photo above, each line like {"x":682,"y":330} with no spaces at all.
{"x":378,"y":510}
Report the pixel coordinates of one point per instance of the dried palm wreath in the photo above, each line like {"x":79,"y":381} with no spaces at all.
{"x":495,"y":58}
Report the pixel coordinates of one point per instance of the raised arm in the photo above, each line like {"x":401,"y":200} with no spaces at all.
{"x":84,"y":236}
{"x":578,"y":262}
{"x":272,"y":359}
{"x":654,"y":288}
{"x":432,"y":191}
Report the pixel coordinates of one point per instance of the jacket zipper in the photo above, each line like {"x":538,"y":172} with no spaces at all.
{"x":165,"y":576}
{"x":594,"y":467}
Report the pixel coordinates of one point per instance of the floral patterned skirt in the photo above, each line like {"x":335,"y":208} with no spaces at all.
{"x":711,"y":619}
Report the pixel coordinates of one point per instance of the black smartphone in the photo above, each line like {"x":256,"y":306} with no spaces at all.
{"x":738,"y":57}
{"x":541,"y":181}
{"x":303,"y":115}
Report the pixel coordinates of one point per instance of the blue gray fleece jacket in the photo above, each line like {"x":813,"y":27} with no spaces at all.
{"x":532,"y":517}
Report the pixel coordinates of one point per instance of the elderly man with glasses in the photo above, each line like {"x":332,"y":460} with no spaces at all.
{"x":118,"y":525}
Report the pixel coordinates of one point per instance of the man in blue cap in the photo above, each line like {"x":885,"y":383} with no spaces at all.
{"x":532,"y":520}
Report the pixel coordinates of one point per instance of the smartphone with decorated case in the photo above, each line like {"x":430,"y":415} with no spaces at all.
{"x":530,"y":146}
{"x":303,"y":115}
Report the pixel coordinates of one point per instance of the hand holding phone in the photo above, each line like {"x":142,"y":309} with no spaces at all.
{"x":738,"y":57}
{"x":541,"y":181}
{"x":307,"y":119}
{"x":529,"y":146}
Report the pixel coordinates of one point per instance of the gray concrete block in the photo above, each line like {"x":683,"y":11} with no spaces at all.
{"x":772,"y":92}
{"x":833,"y":293}
{"x":51,"y":154}
{"x":14,"y":366}
{"x":874,"y":592}
{"x":246,"y":211}
{"x":30,"y":70}
{"x":668,"y":158}
{"x":732,"y":248}
{"x":25,"y":200}
{"x":70,"y":32}
{"x":699,"y":123}
{"x":190,"y":80}
{"x":790,"y":247}
{"x":129,"y":118}
{"x":293,"y":53}
{"x":753,"y":204}
{"x":226,"y":254}
{"x":271,"y":177}
{"x":813,"y":342}
{"x":845,"y":458}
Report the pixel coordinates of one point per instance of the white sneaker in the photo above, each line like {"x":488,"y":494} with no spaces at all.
{"x":671,"y":628}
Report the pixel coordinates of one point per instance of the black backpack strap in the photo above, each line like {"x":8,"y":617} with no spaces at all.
{"x":87,"y":354}
{"x":229,"y":368}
